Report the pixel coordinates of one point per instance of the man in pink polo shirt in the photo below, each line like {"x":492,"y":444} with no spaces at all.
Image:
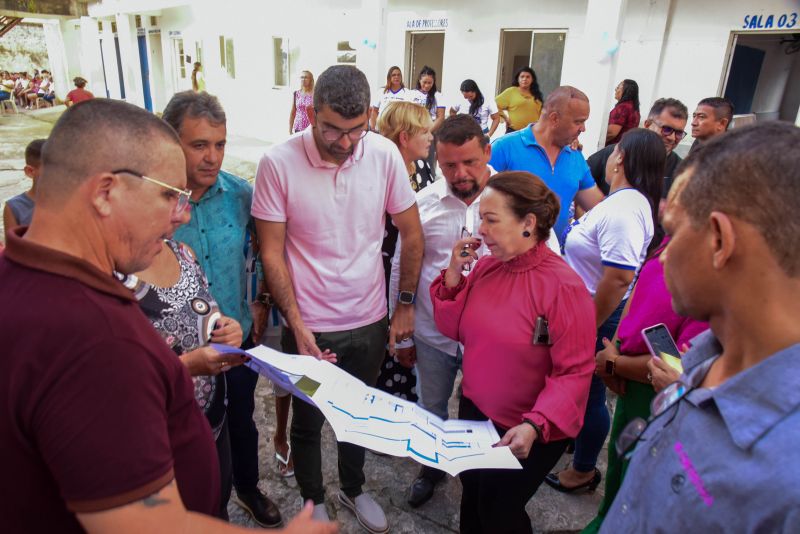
{"x":320,"y":203}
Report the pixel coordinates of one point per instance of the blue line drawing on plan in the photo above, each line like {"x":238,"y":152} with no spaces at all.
{"x":409,"y":448}
{"x":434,"y":443}
{"x":371,"y":418}
{"x":456,"y":444}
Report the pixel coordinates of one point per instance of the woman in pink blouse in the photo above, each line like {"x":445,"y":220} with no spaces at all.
{"x":527,"y":325}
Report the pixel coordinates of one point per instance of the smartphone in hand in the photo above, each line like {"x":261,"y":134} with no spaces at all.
{"x":661,"y":345}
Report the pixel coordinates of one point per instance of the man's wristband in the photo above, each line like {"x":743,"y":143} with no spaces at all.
{"x":536,"y":427}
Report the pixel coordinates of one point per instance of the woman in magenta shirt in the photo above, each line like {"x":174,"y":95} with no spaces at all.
{"x":527,"y":325}
{"x":632,"y":379}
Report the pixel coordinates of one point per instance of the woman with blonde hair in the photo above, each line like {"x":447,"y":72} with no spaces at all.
{"x":408,"y":126}
{"x":303,"y":99}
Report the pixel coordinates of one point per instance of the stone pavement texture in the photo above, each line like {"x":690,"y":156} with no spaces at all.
{"x":387,"y":477}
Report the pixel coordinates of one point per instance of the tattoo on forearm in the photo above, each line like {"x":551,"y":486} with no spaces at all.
{"x":155,"y":499}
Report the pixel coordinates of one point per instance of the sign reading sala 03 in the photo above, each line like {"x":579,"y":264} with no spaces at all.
{"x":770,"y":22}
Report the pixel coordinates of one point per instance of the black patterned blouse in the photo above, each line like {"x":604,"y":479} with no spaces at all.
{"x":184,"y":315}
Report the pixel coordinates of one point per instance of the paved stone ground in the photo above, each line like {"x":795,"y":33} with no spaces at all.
{"x":387,"y":480}
{"x":387,"y":477}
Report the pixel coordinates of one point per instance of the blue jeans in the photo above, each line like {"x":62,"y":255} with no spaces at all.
{"x":596,"y":421}
{"x":436,"y":375}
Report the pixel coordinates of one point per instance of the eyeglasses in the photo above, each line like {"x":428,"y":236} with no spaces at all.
{"x":332,"y":135}
{"x":632,"y":433}
{"x":666,"y":131}
{"x":183,"y":195}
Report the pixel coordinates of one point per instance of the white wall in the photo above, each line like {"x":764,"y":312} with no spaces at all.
{"x":472,"y":39}
{"x":71,"y":33}
{"x":90,"y":64}
{"x":694,"y":57}
{"x":254,"y":106}
{"x":790,"y":107}
{"x":674,"y":48}
{"x":129,"y":58}
{"x":57,"y":56}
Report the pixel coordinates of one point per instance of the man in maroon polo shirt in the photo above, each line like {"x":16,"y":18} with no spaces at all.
{"x":100,"y":429}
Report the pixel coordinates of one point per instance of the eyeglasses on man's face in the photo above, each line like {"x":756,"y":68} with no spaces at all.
{"x":666,"y":131}
{"x":182,"y":195}
{"x":332,"y":134}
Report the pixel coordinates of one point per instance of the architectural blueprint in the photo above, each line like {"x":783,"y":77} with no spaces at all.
{"x":382,"y":422}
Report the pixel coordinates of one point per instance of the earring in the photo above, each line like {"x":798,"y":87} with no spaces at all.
{"x":616,"y":170}
{"x":526,"y":234}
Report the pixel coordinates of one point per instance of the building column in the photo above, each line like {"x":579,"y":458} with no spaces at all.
{"x":129,"y":54}
{"x":596,"y":57}
{"x":639,"y":57}
{"x":90,"y":60}
{"x":57,"y":56}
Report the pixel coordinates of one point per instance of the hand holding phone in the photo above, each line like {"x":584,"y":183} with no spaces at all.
{"x":661,"y":345}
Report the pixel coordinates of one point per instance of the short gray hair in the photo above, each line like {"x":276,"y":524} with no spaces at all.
{"x":194,"y":105}
{"x":344,"y":89}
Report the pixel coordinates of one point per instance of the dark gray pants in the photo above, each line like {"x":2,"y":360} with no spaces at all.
{"x":359,"y":352}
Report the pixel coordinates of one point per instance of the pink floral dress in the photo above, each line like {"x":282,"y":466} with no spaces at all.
{"x":302,"y":101}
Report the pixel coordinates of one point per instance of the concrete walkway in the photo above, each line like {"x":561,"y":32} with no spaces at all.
{"x":387,"y":477}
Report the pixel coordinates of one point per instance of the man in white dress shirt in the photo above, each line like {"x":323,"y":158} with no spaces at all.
{"x":447,"y":208}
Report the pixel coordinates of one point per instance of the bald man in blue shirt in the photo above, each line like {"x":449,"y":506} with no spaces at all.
{"x":543,"y":148}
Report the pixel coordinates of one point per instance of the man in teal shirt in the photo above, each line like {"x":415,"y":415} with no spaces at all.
{"x":543,"y":148}
{"x":221,"y":233}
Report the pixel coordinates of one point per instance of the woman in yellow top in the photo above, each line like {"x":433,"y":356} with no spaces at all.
{"x":522,"y":101}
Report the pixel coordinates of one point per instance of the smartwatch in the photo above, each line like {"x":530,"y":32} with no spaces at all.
{"x":406,"y":297}
{"x":265,"y":299}
{"x":611,"y":366}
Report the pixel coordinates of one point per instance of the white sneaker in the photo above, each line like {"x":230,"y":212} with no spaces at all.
{"x":368,"y":512}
